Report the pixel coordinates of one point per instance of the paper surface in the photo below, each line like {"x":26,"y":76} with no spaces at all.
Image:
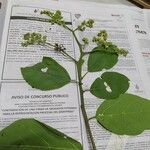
{"x":60,"y":108}
{"x":3,"y":7}
{"x":120,"y":26}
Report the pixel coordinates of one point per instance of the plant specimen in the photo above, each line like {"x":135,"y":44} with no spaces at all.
{"x":120,"y":112}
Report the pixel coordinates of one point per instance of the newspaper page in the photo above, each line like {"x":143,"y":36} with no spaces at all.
{"x":0,"y":18}
{"x":20,"y":100}
{"x":147,"y":17}
{"x":57,"y":108}
{"x":115,"y":19}
{"x":3,"y":6}
{"x":141,"y":23}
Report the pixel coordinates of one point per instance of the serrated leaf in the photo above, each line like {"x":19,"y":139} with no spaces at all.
{"x":129,"y":114}
{"x":110,"y":85}
{"x":99,"y":59}
{"x":46,"y":75}
{"x":30,"y":134}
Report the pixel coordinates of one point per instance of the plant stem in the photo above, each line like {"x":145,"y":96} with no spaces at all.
{"x":79,"y":44}
{"x":79,"y":68}
{"x":69,"y":56}
{"x":63,"y":52}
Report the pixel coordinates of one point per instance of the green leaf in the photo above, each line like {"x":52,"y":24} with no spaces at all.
{"x":30,"y":134}
{"x":100,"y":59}
{"x":129,"y":114}
{"x":46,"y":75}
{"x":110,"y":85}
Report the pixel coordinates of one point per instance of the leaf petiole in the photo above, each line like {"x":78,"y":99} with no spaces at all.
{"x":74,"y":81}
{"x":86,"y":90}
{"x":92,"y":118}
{"x":84,"y":75}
